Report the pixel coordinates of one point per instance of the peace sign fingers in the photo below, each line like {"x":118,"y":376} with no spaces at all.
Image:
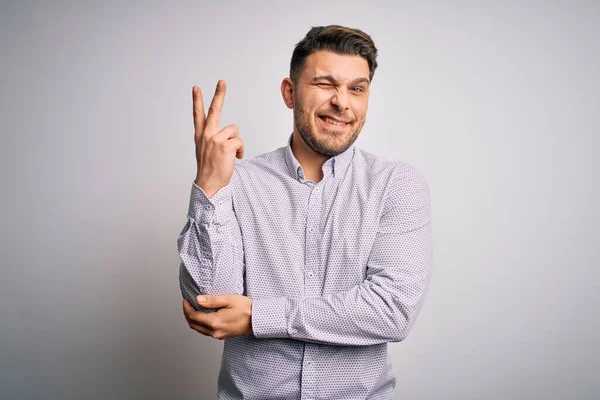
{"x":216,"y":149}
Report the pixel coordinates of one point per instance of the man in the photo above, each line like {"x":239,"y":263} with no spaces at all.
{"x":310,"y":258}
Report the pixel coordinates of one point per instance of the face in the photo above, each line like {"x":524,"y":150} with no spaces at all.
{"x":330,"y":101}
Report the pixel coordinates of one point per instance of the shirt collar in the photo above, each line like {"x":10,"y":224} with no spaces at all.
{"x":334,"y":165}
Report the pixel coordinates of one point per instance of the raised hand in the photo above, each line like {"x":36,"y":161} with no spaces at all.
{"x":216,"y":149}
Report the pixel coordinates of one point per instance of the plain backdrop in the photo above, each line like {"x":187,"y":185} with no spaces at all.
{"x":496,"y":103}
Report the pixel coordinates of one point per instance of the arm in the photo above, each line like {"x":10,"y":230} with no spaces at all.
{"x":384,"y":306}
{"x":210,"y":242}
{"x":210,"y":247}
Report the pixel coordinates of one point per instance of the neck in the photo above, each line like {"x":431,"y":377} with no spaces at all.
{"x":311,"y":161}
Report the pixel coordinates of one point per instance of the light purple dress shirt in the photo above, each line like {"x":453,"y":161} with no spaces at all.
{"x":335,"y":270}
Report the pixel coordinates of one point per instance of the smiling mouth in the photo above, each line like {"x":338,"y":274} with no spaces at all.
{"x":332,"y":121}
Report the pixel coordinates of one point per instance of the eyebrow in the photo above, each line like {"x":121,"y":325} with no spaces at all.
{"x":332,"y":79}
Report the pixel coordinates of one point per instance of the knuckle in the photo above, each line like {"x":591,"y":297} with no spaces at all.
{"x":231,"y":128}
{"x":219,"y":335}
{"x":208,"y":137}
{"x":231,"y":145}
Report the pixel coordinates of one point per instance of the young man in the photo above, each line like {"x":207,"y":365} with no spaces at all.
{"x":308,"y":259}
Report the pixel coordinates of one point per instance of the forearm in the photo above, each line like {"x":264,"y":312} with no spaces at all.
{"x":376,"y":311}
{"x":210,"y":247}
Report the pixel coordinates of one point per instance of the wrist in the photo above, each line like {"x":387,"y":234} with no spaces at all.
{"x":208,"y":189}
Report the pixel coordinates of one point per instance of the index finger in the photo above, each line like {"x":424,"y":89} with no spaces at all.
{"x":198,"y":107}
{"x":216,"y":105}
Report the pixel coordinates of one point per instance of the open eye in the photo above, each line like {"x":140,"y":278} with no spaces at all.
{"x":357,"y":89}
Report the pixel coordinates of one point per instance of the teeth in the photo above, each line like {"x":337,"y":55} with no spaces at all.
{"x":334,"y":122}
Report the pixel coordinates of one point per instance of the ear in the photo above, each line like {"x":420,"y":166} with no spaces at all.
{"x":287,"y":92}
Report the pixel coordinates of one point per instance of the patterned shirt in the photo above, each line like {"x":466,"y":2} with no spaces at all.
{"x":336,"y":269}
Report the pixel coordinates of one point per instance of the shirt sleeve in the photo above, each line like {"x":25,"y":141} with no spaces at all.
{"x":210,"y":247}
{"x":382,"y":308}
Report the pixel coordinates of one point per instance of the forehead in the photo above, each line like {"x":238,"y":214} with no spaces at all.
{"x":342,"y":67}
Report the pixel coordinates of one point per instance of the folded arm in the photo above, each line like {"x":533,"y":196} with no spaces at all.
{"x":384,"y":306}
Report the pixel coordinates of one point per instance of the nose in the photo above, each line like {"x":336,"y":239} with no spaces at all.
{"x":340,"y":99}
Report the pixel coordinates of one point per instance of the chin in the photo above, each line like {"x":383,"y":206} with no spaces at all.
{"x":332,"y":147}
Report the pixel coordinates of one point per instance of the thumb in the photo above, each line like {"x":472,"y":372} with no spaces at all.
{"x":240,"y":152}
{"x":213,"y":301}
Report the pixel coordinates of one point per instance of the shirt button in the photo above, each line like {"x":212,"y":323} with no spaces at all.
{"x":310,"y":230}
{"x":220,"y":203}
{"x":310,"y":274}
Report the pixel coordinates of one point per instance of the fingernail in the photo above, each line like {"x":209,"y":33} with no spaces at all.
{"x":201,"y":299}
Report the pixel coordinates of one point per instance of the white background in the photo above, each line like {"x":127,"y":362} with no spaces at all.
{"x":496,"y":104}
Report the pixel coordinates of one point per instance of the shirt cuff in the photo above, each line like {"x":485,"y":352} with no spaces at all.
{"x":269,"y":317}
{"x":214,"y":210}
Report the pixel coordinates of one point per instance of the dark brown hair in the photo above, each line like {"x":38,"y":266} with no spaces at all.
{"x":335,"y":38}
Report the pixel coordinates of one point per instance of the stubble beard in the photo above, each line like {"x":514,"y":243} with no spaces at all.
{"x":324,"y":147}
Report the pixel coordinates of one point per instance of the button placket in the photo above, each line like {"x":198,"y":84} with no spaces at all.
{"x":309,"y":378}
{"x":311,"y":284}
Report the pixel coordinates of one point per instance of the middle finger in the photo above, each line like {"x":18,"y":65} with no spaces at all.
{"x":216,"y":105}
